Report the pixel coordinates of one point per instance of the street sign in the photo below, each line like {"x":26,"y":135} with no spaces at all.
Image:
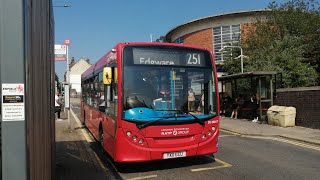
{"x":67,"y":41}
{"x":60,"y":52}
{"x":13,"y":102}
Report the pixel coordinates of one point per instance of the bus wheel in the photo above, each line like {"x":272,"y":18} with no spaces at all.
{"x":101,"y":136}
{"x":213,"y":157}
{"x":84,"y":118}
{"x":121,"y":167}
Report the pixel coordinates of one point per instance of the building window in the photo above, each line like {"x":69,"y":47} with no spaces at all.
{"x":225,"y":35}
{"x":179,"y":40}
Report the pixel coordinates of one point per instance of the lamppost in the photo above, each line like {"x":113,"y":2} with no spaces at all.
{"x":241,"y":54}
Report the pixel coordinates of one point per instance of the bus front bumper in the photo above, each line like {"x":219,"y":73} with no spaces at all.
{"x":128,"y":151}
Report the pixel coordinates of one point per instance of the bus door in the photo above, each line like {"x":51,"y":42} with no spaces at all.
{"x":111,"y":105}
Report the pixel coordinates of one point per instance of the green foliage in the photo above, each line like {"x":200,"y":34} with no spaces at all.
{"x":284,"y":56}
{"x":161,"y":39}
{"x":286,"y":40}
{"x":56,"y":78}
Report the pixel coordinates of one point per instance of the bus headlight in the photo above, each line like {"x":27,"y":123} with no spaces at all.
{"x":134,"y":138}
{"x":213,"y":128}
{"x":203,"y":136}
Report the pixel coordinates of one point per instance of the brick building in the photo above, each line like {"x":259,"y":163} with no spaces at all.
{"x":76,"y":69}
{"x":213,"y":32}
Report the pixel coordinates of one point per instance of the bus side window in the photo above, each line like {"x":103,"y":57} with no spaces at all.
{"x":115,"y":91}
{"x":96,"y":96}
{"x":108,"y":97}
{"x":101,"y":94}
{"x":91,"y":93}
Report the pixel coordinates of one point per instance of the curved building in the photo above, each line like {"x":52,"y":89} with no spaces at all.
{"x":213,"y":32}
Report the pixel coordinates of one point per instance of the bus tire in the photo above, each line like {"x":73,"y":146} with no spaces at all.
{"x":101,"y":136}
{"x":120,"y":167}
{"x":213,"y":157}
{"x":84,"y":118}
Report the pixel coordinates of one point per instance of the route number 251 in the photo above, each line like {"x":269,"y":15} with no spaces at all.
{"x":193,"y":58}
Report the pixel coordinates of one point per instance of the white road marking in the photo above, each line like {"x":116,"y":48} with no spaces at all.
{"x":100,"y":162}
{"x":280,"y":139}
{"x":88,"y":139}
{"x":224,"y":165}
{"x":143,"y":177}
{"x":230,"y":132}
{"x":301,"y":144}
{"x":84,"y":133}
{"x":226,"y":135}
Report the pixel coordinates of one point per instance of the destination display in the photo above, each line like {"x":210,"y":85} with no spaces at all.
{"x":169,"y":57}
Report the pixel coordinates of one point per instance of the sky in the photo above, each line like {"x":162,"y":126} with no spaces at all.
{"x":96,"y":26}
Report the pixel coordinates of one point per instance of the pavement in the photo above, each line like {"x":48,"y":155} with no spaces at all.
{"x":75,"y":155}
{"x":247,"y":127}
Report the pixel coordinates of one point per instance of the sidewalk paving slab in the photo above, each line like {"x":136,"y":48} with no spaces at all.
{"x":74,"y":157}
{"x":247,"y":127}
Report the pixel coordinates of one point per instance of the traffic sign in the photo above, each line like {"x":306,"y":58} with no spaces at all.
{"x":67,"y":41}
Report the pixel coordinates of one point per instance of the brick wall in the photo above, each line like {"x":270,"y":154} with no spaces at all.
{"x":201,"y":38}
{"x":204,"y":38}
{"x":307,"y":103}
{"x":246,"y":29}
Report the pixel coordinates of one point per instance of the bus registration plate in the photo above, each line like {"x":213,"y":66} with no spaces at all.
{"x":174,"y":154}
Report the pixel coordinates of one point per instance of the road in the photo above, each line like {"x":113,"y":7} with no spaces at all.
{"x":239,"y":157}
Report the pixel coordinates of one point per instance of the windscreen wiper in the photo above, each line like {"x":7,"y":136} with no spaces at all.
{"x":180,"y":111}
{"x":140,"y":126}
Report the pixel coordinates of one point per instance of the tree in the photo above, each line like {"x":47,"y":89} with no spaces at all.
{"x":286,"y":40}
{"x":56,"y":77}
{"x":285,"y":56}
{"x":161,"y":39}
{"x":58,"y":83}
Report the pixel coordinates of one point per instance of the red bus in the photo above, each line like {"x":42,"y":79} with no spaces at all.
{"x":151,"y":101}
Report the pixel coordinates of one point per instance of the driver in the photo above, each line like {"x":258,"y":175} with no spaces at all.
{"x":139,"y":93}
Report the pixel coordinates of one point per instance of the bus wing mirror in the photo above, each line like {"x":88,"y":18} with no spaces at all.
{"x":115,"y":75}
{"x":174,"y":76}
{"x":107,"y":75}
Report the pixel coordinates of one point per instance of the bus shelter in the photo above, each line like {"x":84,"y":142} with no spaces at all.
{"x":260,"y":85}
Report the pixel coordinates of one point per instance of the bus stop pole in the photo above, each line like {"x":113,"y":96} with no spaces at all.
{"x":260,"y":104}
{"x":271,"y":91}
{"x":67,"y":91}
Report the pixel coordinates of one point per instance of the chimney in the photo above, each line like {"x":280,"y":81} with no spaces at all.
{"x":72,"y":62}
{"x":88,"y":60}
